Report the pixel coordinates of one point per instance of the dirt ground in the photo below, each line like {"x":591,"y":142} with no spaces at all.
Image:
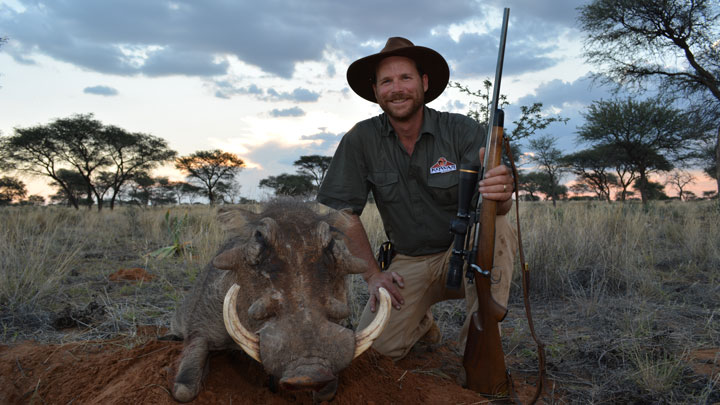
{"x":107,"y":372}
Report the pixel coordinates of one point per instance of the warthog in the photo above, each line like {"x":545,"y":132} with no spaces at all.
{"x":277,"y":289}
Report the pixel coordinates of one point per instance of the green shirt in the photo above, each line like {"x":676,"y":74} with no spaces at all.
{"x":416,"y":195}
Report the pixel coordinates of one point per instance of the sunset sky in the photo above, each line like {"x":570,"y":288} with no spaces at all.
{"x":266,"y":79}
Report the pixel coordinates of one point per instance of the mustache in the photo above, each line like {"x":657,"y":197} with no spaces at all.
{"x":399,"y":96}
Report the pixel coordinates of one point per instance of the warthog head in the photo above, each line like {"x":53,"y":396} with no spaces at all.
{"x":281,"y":281}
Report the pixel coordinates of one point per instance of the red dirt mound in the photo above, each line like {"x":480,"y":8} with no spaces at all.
{"x":135,"y":274}
{"x":105,"y":372}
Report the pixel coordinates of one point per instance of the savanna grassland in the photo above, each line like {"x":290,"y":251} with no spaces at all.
{"x":625,"y":297}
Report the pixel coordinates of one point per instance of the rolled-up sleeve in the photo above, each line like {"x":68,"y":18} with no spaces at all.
{"x":346,"y":182}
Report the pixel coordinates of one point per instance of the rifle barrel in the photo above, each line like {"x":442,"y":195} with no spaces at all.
{"x":496,"y":84}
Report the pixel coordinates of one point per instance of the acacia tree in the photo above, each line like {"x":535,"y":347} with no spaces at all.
{"x":71,"y":188}
{"x":675,"y":42}
{"x":35,"y":199}
{"x":680,"y":179}
{"x":131,"y":153}
{"x":162,"y":192}
{"x":35,"y":150}
{"x":81,"y":145}
{"x":230,"y":191}
{"x":11,"y":188}
{"x":533,"y":182}
{"x":139,"y":188}
{"x":652,"y":189}
{"x":708,"y":155}
{"x":209,"y":168}
{"x":550,"y":161}
{"x":182,"y":189}
{"x":289,"y":184}
{"x":104,"y":156}
{"x":647,"y":135}
{"x":592,"y":166}
{"x":315,"y":166}
{"x":624,"y":172}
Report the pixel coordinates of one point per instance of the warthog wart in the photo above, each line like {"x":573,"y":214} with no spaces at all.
{"x":278,"y":290}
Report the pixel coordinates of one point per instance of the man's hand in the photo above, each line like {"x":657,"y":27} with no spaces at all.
{"x":498,"y":182}
{"x":390,"y":281}
{"x":360,"y":246}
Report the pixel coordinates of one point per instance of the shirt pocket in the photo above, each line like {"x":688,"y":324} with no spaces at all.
{"x":385,"y":186}
{"x":444,"y":188}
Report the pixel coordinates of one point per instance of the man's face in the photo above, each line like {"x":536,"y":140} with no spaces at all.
{"x":399,"y":89}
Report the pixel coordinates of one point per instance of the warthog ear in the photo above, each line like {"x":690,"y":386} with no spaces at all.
{"x":345,"y":260}
{"x":229,"y":259}
{"x":340,"y":219}
{"x":322,"y":231}
{"x":253,"y":251}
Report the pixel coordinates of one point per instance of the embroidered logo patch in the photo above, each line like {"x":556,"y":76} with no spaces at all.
{"x":442,"y":166}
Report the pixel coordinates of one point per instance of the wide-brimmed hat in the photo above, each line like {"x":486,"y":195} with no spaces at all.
{"x":361,"y":73}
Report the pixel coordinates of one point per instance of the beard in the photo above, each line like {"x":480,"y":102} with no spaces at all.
{"x":411,"y":104}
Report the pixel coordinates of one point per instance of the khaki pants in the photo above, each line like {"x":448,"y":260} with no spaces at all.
{"x":425,"y":278}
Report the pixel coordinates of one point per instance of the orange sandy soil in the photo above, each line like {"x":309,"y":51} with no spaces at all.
{"x":105,"y":372}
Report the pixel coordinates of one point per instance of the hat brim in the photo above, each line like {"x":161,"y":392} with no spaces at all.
{"x":360,"y":73}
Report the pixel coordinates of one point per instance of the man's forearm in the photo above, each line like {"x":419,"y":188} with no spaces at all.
{"x":504,"y":207}
{"x":359,"y":246}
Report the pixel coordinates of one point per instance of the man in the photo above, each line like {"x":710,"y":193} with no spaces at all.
{"x":409,"y":158}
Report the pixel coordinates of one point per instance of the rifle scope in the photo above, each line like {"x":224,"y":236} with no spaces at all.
{"x":459,"y":226}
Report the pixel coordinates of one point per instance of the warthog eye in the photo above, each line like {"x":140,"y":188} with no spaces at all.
{"x":330,"y":248}
{"x":257,"y":249}
{"x":264,"y":307}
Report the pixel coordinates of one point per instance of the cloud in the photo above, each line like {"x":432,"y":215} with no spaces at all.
{"x":101,"y":90}
{"x":287,"y":112}
{"x":476,"y":54}
{"x":559,"y":12}
{"x":167,"y":62}
{"x":158,"y":38}
{"x":558,"y":93}
{"x":225,"y":89}
{"x":323,"y":142}
{"x":298,"y":95}
{"x":567,"y":99}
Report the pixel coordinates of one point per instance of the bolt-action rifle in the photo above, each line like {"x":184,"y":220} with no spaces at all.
{"x":484,"y":359}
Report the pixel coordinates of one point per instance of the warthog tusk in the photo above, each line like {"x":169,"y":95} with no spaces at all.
{"x":365,"y":338}
{"x":247,"y":340}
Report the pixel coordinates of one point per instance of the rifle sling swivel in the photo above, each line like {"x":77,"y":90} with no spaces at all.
{"x":477,"y":268}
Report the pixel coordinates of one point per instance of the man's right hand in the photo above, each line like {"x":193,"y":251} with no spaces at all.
{"x":359,"y":246}
{"x":389,"y":280}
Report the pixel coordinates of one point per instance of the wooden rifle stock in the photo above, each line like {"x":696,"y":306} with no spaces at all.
{"x":484,"y":359}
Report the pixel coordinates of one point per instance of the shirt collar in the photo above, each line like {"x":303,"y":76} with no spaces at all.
{"x":429,"y":125}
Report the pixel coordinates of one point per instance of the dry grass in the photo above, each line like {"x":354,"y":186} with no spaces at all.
{"x":37,"y":249}
{"x":589,"y":251}
{"x":623,"y":294}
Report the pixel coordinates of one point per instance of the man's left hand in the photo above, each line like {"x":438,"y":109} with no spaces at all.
{"x":497,"y":184}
